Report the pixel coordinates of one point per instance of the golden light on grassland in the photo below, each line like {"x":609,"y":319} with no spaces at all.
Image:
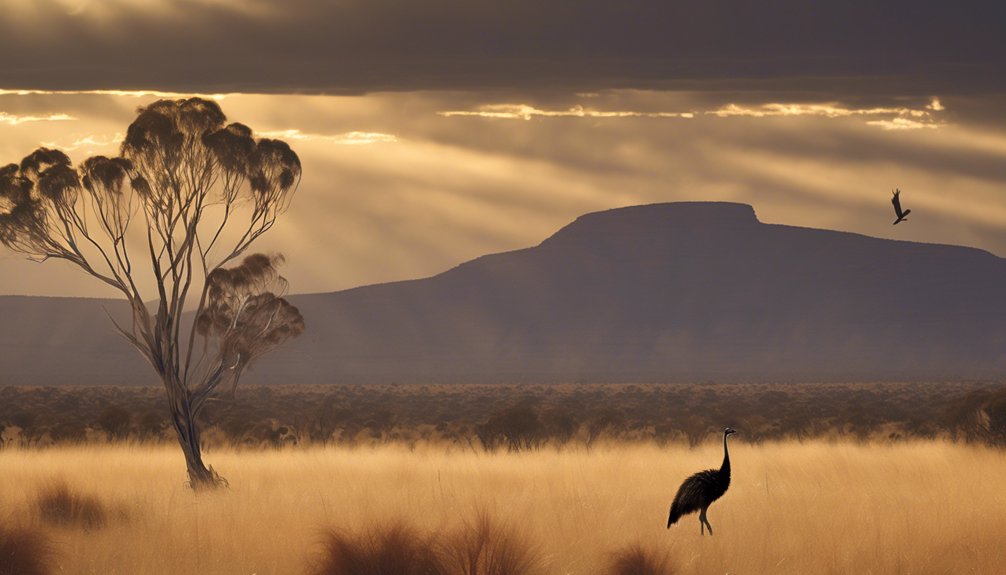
{"x":809,"y":507}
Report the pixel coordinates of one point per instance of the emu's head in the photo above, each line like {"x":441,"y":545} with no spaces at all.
{"x":729,"y":431}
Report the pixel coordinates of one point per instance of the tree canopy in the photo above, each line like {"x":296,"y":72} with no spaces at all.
{"x":162,"y":223}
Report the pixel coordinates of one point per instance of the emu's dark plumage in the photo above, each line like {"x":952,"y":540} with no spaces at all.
{"x":699,"y":491}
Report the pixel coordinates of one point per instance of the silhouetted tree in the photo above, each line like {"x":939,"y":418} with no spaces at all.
{"x":115,"y":421}
{"x":517,"y":427}
{"x":560,"y":425}
{"x":72,"y":431}
{"x":603,"y":420}
{"x":203,"y":191}
{"x":979,"y":417}
{"x":150,"y":425}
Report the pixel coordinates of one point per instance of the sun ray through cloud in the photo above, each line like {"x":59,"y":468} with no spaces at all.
{"x":347,"y":138}
{"x":890,"y":118}
{"x":15,"y":119}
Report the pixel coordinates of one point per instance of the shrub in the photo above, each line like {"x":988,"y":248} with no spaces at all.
{"x":394,"y":550}
{"x":68,"y":432}
{"x":57,"y":504}
{"x":634,"y":560}
{"x":150,"y":426}
{"x":24,"y":552}
{"x":478,"y":548}
{"x":115,"y":421}
{"x":485,"y":548}
{"x":516,"y":428}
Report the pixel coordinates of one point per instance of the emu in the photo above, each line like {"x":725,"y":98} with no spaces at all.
{"x":699,"y":491}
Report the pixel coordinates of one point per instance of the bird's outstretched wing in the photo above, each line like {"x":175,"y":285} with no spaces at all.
{"x":897,"y":204}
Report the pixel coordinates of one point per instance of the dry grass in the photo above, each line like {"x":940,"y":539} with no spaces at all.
{"x":816,"y":507}
{"x":479,"y":547}
{"x":634,"y":560}
{"x":24,"y":551}
{"x":483,"y":547}
{"x":392,"y":550}
{"x":58,"y":504}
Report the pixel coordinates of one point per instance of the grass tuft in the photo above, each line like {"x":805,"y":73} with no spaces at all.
{"x":24,"y":552}
{"x":481,"y":547}
{"x":486,"y":548}
{"x":635,"y":560}
{"x":57,"y":504}
{"x":393,"y":550}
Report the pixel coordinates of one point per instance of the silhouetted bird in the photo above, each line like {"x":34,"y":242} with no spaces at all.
{"x":902,"y":215}
{"x":699,"y":491}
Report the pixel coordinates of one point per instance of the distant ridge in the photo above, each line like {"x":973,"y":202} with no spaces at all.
{"x":664,"y":292}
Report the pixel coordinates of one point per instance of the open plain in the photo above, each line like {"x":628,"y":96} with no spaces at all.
{"x":793,"y":507}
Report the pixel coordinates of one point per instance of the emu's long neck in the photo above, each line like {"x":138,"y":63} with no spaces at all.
{"x":725,"y":468}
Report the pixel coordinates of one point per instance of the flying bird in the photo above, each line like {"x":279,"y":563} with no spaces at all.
{"x":699,"y":491}
{"x":902,"y":215}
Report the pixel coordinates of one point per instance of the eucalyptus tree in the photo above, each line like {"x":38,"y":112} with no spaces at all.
{"x":166,"y":224}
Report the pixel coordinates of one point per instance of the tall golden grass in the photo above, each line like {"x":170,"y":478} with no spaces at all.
{"x":816,"y":507}
{"x":58,"y":504}
{"x":24,"y":551}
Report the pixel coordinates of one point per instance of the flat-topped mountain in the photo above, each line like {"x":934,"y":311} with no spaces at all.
{"x":679,"y":291}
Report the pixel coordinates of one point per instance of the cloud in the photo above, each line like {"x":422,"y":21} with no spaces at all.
{"x":902,"y":124}
{"x":353,"y":46}
{"x":828,"y":110}
{"x":14,"y":119}
{"x":347,"y":138}
{"x":526,"y":112}
{"x":897,"y":118}
{"x":89,"y":143}
{"x":124,"y":93}
{"x":450,"y":189}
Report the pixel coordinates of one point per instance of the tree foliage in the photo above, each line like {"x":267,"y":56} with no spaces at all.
{"x":244,"y":314}
{"x":186,"y":197}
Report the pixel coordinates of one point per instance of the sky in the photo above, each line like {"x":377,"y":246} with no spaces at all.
{"x":435,"y":131}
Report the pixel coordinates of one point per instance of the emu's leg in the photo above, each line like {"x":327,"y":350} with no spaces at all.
{"x":702,"y":522}
{"x":703,"y":519}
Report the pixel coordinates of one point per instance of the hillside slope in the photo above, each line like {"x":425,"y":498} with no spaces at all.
{"x":681,"y":291}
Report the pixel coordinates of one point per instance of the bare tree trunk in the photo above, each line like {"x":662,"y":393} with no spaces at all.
{"x":183,"y":419}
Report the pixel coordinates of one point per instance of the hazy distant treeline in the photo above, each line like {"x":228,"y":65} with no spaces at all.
{"x":514,"y":417}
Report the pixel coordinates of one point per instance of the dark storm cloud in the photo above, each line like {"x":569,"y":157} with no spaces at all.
{"x":923,"y":46}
